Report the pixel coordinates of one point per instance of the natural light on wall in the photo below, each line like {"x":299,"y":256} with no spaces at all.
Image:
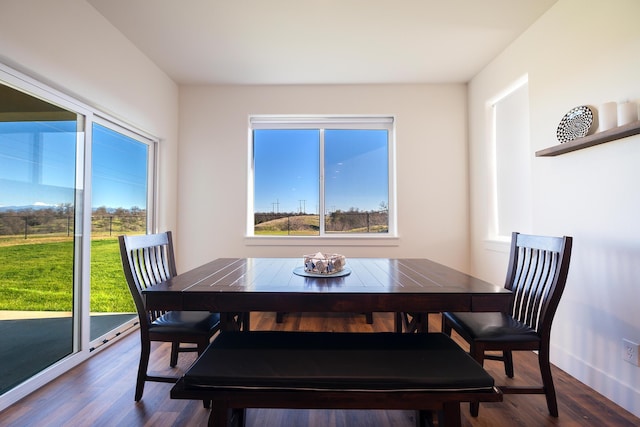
{"x":512,"y":207}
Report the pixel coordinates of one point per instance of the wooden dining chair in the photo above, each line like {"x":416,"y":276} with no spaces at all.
{"x":148,"y":260}
{"x":537,"y":275}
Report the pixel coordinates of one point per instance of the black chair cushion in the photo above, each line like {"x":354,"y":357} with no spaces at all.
{"x":492,"y":327}
{"x":336,"y":361}
{"x":190,"y":322}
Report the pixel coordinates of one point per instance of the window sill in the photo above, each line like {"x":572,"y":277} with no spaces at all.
{"x":498,"y":244}
{"x":321,"y":241}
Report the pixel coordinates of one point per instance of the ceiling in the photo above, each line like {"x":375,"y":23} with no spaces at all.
{"x":321,"y":41}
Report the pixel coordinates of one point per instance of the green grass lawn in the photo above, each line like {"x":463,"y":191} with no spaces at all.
{"x":39,"y":277}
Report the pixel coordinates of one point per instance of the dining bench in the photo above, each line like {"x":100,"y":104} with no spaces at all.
{"x":428,"y":373}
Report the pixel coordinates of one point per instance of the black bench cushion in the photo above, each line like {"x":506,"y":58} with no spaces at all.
{"x":336,"y":361}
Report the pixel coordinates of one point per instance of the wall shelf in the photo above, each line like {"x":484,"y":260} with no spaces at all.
{"x":623,"y":131}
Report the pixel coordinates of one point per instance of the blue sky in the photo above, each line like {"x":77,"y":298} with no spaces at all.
{"x":119,"y":170}
{"x":287,"y":170}
{"x":37,"y":166}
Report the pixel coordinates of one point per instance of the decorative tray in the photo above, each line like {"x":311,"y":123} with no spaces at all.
{"x":300,"y":272}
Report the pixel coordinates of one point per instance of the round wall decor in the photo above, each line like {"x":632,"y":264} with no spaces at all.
{"x":575,"y":124}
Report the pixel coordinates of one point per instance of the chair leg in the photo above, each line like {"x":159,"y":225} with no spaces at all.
{"x":508,"y":363}
{"x":175,"y":348}
{"x":369,"y":317}
{"x":547,"y":381}
{"x":145,"y":351}
{"x":279,"y":316}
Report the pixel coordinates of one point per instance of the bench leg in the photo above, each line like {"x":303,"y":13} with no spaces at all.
{"x":223,"y":416}
{"x":424,"y":418}
{"x":220,"y":414}
{"x":450,"y":415}
{"x":238,"y":417}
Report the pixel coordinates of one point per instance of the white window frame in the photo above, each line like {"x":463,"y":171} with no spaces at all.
{"x":522,"y":164}
{"x":385,"y":122}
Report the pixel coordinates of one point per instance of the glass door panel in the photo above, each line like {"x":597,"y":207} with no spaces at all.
{"x":38,"y":152}
{"x":119,"y":182}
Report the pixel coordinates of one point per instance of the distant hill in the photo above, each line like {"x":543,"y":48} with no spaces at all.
{"x":26,"y":207}
{"x":39,"y":208}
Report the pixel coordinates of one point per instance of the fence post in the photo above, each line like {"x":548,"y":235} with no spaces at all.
{"x":26,"y":225}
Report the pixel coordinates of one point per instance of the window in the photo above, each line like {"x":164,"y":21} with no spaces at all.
{"x":330,"y":176}
{"x":513,"y":208}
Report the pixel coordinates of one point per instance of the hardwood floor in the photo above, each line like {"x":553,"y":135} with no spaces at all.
{"x":100,"y":391}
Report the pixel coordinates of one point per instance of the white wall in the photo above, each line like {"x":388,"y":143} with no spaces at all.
{"x":68,"y":45}
{"x":431,"y":167}
{"x":580,"y":52}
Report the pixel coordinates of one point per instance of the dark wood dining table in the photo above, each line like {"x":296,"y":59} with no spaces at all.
{"x":236,"y":286}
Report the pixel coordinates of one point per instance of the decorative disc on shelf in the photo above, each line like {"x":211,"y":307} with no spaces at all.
{"x":575,"y":124}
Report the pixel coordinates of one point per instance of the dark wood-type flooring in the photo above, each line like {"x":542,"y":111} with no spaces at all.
{"x":100,"y":391}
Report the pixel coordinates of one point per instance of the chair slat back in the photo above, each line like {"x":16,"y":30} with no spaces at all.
{"x":147,"y":260}
{"x":537,"y":275}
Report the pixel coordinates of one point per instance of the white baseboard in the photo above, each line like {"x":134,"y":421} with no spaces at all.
{"x":614,"y":389}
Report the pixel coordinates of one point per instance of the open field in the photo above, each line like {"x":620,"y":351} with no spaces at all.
{"x":309,"y":225}
{"x":36,"y":274}
{"x":301,"y":225}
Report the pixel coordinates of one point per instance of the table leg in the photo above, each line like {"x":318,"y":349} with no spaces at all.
{"x":235,"y":321}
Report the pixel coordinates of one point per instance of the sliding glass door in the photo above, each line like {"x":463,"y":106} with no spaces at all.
{"x":40,"y":151}
{"x":71,"y":181}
